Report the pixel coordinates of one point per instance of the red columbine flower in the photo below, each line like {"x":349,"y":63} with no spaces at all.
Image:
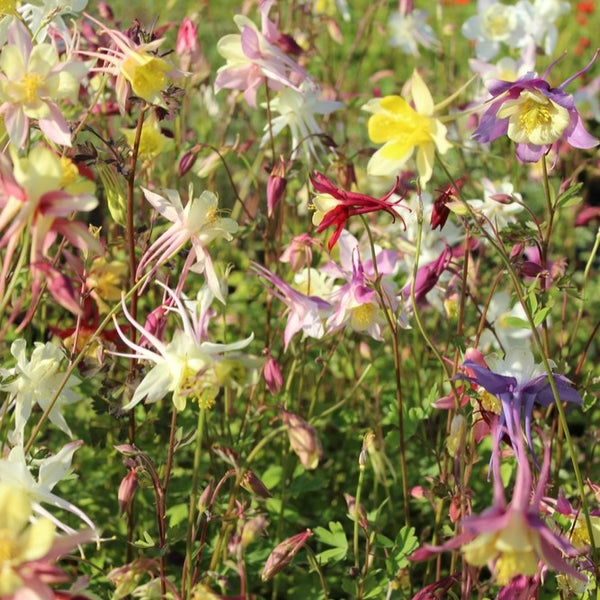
{"x":334,"y":206}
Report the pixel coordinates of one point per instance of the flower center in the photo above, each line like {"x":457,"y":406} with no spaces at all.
{"x":497,"y":22}
{"x":70,"y":172}
{"x":191,"y":387}
{"x":489,"y":402}
{"x":31,"y":84}
{"x":8,"y":547}
{"x":363,"y":316}
{"x":8,"y":7}
{"x":534,"y":114}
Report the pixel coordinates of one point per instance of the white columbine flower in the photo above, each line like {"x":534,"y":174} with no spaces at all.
{"x":410,"y":31}
{"x":15,"y":471}
{"x":496,"y":23}
{"x":35,"y":381}
{"x":297,"y":111}
{"x":185,"y":366}
{"x":541,"y":28}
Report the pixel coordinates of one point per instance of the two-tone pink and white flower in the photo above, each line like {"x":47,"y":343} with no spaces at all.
{"x":198,"y":223}
{"x":33,"y":80}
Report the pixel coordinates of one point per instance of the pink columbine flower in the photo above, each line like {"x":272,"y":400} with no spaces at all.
{"x":305,"y":312}
{"x":32,"y":81}
{"x":198,"y":223}
{"x":254,"y":57}
{"x":137,"y":67}
{"x":36,"y":196}
{"x":334,"y":206}
{"x":534,"y":115}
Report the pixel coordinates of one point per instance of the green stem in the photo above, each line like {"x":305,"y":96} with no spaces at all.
{"x":189,"y":564}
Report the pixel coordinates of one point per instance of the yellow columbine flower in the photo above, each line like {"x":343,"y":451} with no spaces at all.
{"x":402,"y":128}
{"x":152,"y":141}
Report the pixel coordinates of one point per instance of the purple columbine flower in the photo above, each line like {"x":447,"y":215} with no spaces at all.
{"x":519,"y":383}
{"x":534,"y":115}
{"x":512,"y":539}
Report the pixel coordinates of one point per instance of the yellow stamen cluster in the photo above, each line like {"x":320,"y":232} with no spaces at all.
{"x":363,"y":316}
{"x":31,"y":84}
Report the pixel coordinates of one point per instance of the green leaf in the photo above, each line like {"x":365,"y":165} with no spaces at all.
{"x":334,"y":536}
{"x":570,"y":196}
{"x":405,"y":543}
{"x":516,"y":322}
{"x":539,"y":317}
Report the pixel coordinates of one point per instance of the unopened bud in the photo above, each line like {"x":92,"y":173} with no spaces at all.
{"x":204,"y":501}
{"x":458,"y":433}
{"x":282,"y":555}
{"x":272,"y":374}
{"x":187,"y":161}
{"x":346,"y":175}
{"x":304,"y":440}
{"x":251,"y":483}
{"x":127,"y":489}
{"x":362,"y":514}
{"x":252,"y":529}
{"x":276,"y":185}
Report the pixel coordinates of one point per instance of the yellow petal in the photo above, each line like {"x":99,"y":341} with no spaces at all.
{"x":421,"y":95}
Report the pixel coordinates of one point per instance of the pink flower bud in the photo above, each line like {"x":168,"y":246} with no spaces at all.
{"x":127,"y":449}
{"x":282,"y":555}
{"x":187,"y":38}
{"x":362,"y":514}
{"x":127,"y":489}
{"x":298,"y":252}
{"x":272,"y":374}
{"x":252,"y":529}
{"x":304,"y":440}
{"x":204,"y":501}
{"x":276,"y":185}
{"x":187,"y":161}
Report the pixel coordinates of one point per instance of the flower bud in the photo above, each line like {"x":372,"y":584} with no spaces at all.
{"x":362,"y":514}
{"x":304,"y":440}
{"x":204,"y":501}
{"x":283,"y":554}
{"x":458,"y":433}
{"x":187,"y":39}
{"x":272,"y":374}
{"x":251,"y":483}
{"x":127,"y":489}
{"x":252,"y":529}
{"x":276,"y":185}
{"x":187,"y":161}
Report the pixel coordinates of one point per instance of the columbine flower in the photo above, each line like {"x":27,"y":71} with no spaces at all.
{"x":511,"y":539}
{"x":519,"y":383}
{"x":136,"y":66}
{"x":32,"y":80}
{"x":534,"y":115}
{"x":356,"y":304}
{"x":35,"y":196}
{"x":185,"y":366}
{"x":495,"y":23}
{"x":152,"y":140}
{"x":198,"y":223}
{"x":402,"y":129}
{"x":409,"y":29}
{"x":253,"y":58}
{"x":29,"y":548}
{"x":306,"y":312}
{"x":35,"y":381}
{"x":500,"y":202}
{"x":15,"y":471}
{"x":541,"y":17}
{"x":297,"y":110}
{"x":334,"y":206}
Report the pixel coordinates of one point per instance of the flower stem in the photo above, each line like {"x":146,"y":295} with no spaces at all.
{"x":189,"y":564}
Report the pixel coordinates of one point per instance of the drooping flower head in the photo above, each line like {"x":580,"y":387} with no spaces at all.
{"x":334,"y":206}
{"x":519,"y":383}
{"x":512,"y":539}
{"x":305,"y":312}
{"x":403,"y":129}
{"x":534,"y":115}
